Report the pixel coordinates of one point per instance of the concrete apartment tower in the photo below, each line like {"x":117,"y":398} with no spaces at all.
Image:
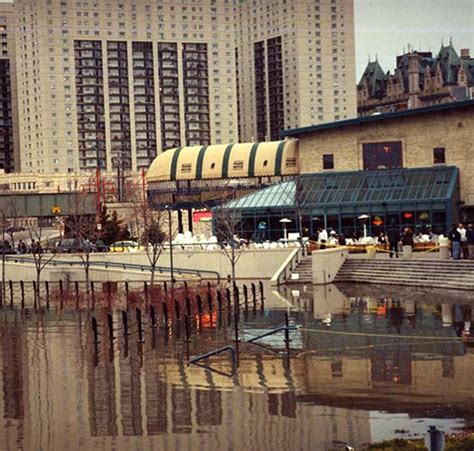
{"x":107,"y":83}
{"x":9,"y":154}
{"x":296,"y":64}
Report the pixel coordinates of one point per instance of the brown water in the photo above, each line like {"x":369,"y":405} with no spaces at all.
{"x":366,"y":364}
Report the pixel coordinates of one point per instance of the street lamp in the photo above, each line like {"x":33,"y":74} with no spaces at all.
{"x":364,"y":219}
{"x":168,"y":209}
{"x":284,"y":222}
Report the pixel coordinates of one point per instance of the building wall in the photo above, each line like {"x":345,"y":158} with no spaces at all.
{"x":290,"y":53}
{"x":51,"y":43}
{"x":8,"y":102}
{"x":419,"y":134}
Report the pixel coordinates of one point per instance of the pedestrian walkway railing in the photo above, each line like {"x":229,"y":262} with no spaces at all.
{"x":201,"y":273}
{"x":283,"y":273}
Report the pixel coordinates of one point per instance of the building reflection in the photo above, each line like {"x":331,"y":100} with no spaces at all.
{"x":122,"y":388}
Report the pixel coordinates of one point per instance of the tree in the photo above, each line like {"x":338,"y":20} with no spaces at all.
{"x":111,"y":228}
{"x":41,"y":258}
{"x":83,"y":229}
{"x":149,"y":228}
{"x":154,"y":239}
{"x":226,"y":227}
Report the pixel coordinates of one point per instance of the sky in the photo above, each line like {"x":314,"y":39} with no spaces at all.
{"x":385,"y":27}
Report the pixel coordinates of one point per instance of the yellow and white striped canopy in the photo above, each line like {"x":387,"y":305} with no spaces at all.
{"x":225,"y":161}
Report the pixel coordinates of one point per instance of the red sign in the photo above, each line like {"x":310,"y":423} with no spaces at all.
{"x":202,"y":216}
{"x":408,"y":215}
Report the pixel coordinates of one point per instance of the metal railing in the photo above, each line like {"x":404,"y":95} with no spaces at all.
{"x":202,"y":273}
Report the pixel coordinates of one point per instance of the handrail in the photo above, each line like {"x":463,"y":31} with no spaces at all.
{"x":271,"y":332}
{"x":281,"y":275}
{"x":211,"y":353}
{"x":179,"y":271}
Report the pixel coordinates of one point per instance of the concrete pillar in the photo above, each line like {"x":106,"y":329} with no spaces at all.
{"x":443,"y":249}
{"x":407,"y":252}
{"x":447,"y":315}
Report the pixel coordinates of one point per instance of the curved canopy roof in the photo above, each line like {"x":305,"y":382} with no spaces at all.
{"x":225,"y":161}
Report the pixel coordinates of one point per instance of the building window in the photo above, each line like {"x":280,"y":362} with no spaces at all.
{"x":328,"y":161}
{"x":382,"y":155}
{"x":439,"y":155}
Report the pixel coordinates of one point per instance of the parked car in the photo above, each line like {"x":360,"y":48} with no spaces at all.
{"x":101,"y":246}
{"x":125,"y":246}
{"x":6,"y":248}
{"x":74,"y":245}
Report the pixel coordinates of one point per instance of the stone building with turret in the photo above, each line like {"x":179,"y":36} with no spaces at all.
{"x":419,"y":80}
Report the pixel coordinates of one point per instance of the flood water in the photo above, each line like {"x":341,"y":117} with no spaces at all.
{"x":365,"y":364}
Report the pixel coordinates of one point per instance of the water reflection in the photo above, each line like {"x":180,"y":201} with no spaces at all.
{"x":359,"y":357}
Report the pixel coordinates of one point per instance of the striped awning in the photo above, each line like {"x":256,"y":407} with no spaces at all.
{"x":225,"y":161}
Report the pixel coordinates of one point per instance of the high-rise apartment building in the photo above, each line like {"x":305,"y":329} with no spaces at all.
{"x":8,"y":112}
{"x":107,"y":83}
{"x":296,"y":64}
{"x":103,"y":83}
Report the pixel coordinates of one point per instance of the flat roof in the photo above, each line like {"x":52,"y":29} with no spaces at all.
{"x":377,"y":118}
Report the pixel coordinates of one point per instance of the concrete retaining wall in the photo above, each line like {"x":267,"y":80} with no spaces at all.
{"x":252,"y":264}
{"x":326,"y":264}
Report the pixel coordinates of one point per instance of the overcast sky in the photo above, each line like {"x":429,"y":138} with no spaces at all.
{"x":385,"y":27}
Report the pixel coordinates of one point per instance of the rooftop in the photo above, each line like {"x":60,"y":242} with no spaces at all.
{"x":338,"y":189}
{"x":378,"y":117}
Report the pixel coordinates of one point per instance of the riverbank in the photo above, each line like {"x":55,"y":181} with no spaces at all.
{"x":454,"y":442}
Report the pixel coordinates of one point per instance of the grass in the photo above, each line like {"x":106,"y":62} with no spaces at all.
{"x":455,"y":442}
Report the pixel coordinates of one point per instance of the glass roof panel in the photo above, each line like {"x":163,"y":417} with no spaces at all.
{"x":346,"y":188}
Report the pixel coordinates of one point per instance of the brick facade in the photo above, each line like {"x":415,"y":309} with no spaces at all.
{"x":419,"y":134}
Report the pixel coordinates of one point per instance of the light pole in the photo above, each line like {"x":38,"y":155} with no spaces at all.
{"x":168,"y":209}
{"x":284,"y":222}
{"x":364,"y":219}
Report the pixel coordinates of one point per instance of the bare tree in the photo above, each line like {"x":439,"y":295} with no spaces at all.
{"x":149,"y":229}
{"x":9,"y":225}
{"x":83,"y":229}
{"x":41,"y":256}
{"x":226,"y":224}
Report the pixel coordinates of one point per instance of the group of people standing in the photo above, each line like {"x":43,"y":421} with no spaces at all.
{"x":462,"y":241}
{"x":394,"y":238}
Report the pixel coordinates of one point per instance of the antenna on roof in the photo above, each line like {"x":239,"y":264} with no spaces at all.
{"x":442,"y":42}
{"x":376,"y":57}
{"x":450,"y":40}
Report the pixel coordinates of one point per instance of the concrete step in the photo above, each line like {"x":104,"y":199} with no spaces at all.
{"x":424,"y":274}
{"x":370,"y":276}
{"x":409,"y":283}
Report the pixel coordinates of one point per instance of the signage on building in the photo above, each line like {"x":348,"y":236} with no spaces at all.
{"x":56,"y":210}
{"x":202,"y":216}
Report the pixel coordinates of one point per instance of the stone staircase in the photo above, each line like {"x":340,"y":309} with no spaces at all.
{"x":304,"y":271}
{"x":422,"y":273}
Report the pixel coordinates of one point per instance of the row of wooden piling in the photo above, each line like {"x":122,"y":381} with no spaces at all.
{"x":61,"y":291}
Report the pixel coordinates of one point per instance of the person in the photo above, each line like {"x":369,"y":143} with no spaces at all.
{"x":393,"y":236}
{"x":464,"y":248}
{"x":407,"y":240}
{"x":332,"y":241}
{"x":470,"y":240}
{"x":22,"y":247}
{"x":455,"y":239}
{"x":322,"y":238}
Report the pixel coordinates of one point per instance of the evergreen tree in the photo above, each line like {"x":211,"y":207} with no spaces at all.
{"x":112,"y":228}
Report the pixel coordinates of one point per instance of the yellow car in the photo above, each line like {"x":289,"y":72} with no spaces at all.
{"x":125,"y":246}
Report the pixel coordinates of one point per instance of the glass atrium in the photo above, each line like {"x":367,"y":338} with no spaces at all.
{"x":421,"y":198}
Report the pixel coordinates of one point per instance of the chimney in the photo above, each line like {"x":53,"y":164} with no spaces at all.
{"x":465,"y":54}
